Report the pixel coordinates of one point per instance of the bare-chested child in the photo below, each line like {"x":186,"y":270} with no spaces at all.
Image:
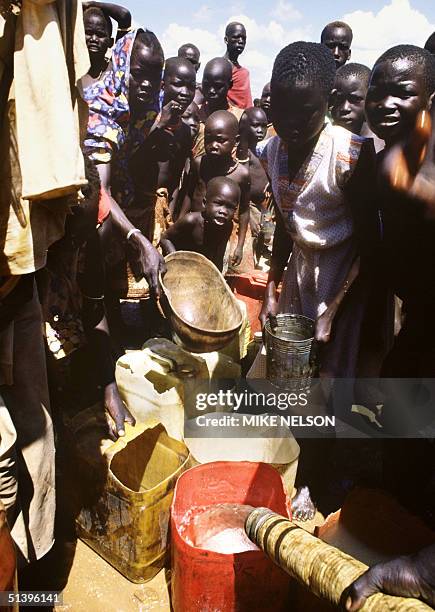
{"x":207,"y":232}
{"x":252,"y":129}
{"x":216,"y":82}
{"x":265,"y":105}
{"x":221,"y":140}
{"x":98,"y":31}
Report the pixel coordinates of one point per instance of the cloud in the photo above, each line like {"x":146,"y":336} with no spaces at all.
{"x":203,"y":14}
{"x":396,"y":23}
{"x":285,"y":11}
{"x":265,"y":40}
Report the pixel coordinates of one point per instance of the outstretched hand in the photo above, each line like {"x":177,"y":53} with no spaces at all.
{"x":117,"y":412}
{"x":147,"y":262}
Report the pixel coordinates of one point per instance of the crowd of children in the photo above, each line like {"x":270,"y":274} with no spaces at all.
{"x":337,"y":158}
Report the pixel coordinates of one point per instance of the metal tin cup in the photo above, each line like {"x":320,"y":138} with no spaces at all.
{"x":290,"y":352}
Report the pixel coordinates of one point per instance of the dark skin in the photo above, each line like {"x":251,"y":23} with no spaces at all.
{"x":169,"y":144}
{"x":98,"y":41}
{"x":395,"y":96}
{"x":216,"y":82}
{"x":118,"y":13}
{"x":265,"y":101}
{"x":347,"y":103}
{"x":412,"y":576}
{"x":192,"y":54}
{"x":235,"y":40}
{"x":207,"y":232}
{"x":252,"y":129}
{"x":191,"y":118}
{"x":339,"y":40}
{"x":221,"y":139}
{"x":145,"y":77}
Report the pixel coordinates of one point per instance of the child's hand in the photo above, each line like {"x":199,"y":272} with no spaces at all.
{"x":148,"y":263}
{"x":402,"y":164}
{"x":237,"y":257}
{"x":170,"y":113}
{"x":118,"y":414}
{"x":270,"y":307}
{"x":323,"y":327}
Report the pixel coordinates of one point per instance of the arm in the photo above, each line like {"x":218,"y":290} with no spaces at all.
{"x":411,"y":576}
{"x":97,"y":333}
{"x":176,"y":232}
{"x":282,"y":247}
{"x":196,"y":191}
{"x":325,"y":321}
{"x":118,"y":13}
{"x":149,"y":260}
{"x":243,"y":219}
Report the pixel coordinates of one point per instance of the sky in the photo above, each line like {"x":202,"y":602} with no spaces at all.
{"x":272,"y":24}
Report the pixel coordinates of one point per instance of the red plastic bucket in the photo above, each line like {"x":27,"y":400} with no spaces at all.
{"x":205,"y":581}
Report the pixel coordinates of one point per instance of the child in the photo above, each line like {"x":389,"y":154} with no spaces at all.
{"x":98,"y":31}
{"x":192,"y":53}
{"x":240,"y":92}
{"x":207,"y":232}
{"x":191,"y":118}
{"x":338,"y":36}
{"x":430,"y":44}
{"x":348,"y":97}
{"x":221,"y":140}
{"x":402,"y":85}
{"x":123,"y":109}
{"x":318,"y":174}
{"x":216,"y":82}
{"x":265,"y":105}
{"x":252,"y":127}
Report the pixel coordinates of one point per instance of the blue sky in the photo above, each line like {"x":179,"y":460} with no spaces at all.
{"x":377,"y":25}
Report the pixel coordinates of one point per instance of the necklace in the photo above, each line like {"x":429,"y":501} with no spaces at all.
{"x":233,"y":166}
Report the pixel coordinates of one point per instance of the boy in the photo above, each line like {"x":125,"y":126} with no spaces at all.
{"x":338,"y":36}
{"x":216,"y":82}
{"x":430,"y":44}
{"x":98,"y":31}
{"x":191,"y":53}
{"x":240,"y":92}
{"x":252,"y":127}
{"x":221,"y":139}
{"x":402,"y":85}
{"x":207,"y":232}
{"x":191,"y":118}
{"x":348,"y":97}
{"x":265,"y":105}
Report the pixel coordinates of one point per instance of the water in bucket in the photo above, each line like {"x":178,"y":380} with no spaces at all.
{"x":290,"y":360}
{"x":219,"y":528}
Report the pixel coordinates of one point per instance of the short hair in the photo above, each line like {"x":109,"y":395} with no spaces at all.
{"x":304,"y":61}
{"x":187,"y":46}
{"x":150,"y":40}
{"x":414,"y":54}
{"x":336,"y":24}
{"x":232,"y":25}
{"x":430,"y":43}
{"x":95,"y":10}
{"x":175,"y":62}
{"x":223,"y":63}
{"x":353,"y":69}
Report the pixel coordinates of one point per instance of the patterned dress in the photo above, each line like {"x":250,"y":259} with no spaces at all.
{"x":318,"y":217}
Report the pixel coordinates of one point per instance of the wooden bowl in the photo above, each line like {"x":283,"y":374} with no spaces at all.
{"x":203,"y":311}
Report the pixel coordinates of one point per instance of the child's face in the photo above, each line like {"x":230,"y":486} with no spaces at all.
{"x":98,"y":38}
{"x":395,"y":96}
{"x":220,"y":207}
{"x":145,"y":76}
{"x":298,"y":112}
{"x":191,"y":118}
{"x":219,"y":140}
{"x":179,"y":85}
{"x":338,"y":40}
{"x":258,"y":125}
{"x":215,"y":86}
{"x":192,"y":56}
{"x":347,"y":103}
{"x":236,"y":39}
{"x":265,"y":100}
